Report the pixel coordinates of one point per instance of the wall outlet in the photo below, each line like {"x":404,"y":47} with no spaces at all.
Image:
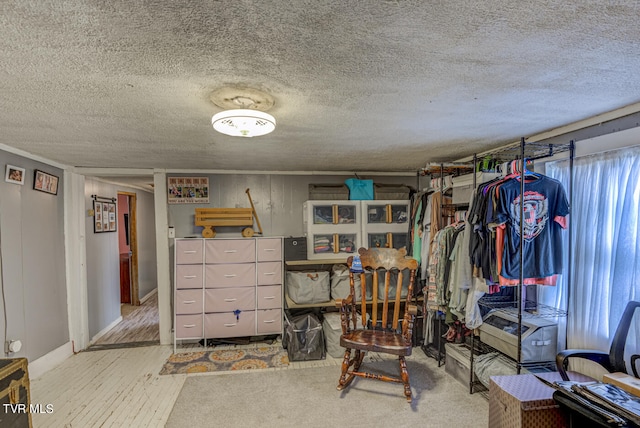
{"x":172,"y":232}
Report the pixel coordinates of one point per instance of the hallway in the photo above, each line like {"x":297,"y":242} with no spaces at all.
{"x":139,"y":327}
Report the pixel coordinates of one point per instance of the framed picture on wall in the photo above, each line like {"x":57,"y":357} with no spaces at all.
{"x":45,"y":182}
{"x":14,"y":175}
{"x":97,"y":216}
{"x":188,"y":190}
{"x":104,"y":217}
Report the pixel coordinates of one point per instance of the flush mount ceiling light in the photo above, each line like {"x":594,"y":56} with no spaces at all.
{"x":246,"y":116}
{"x":243,"y":123}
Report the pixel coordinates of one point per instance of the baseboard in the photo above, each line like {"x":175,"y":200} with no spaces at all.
{"x":49,"y":361}
{"x":149,"y":295}
{"x":105,"y":330}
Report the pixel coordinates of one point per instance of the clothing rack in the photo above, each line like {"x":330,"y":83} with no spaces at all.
{"x":528,"y":151}
{"x":441,"y":180}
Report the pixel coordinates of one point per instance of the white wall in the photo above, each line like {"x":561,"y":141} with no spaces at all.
{"x":147,"y":272}
{"x":33,"y":262}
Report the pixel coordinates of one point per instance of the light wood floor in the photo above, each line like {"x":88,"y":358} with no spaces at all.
{"x":119,"y":388}
{"x":139,"y":324}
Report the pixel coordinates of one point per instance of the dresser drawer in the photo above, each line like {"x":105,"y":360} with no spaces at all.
{"x":230,"y":251}
{"x":270,"y":297}
{"x":189,"y":301}
{"x":233,"y":275}
{"x":188,"y":251}
{"x":228,"y":325}
{"x":269,"y":273}
{"x":269,"y":249}
{"x":189,"y":276}
{"x":269,"y":321}
{"x":188,"y":326}
{"x":229,"y":299}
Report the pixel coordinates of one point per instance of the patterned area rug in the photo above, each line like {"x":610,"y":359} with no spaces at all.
{"x":226,"y":360}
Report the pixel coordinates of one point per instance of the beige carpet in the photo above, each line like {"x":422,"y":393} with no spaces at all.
{"x":308,"y":397}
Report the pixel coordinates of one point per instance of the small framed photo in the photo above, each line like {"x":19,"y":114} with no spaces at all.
{"x":45,"y":182}
{"x":14,"y":175}
{"x":104,"y":217}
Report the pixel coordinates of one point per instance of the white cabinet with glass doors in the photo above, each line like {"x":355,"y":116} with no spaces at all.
{"x":385,"y":224}
{"x":332,"y":228}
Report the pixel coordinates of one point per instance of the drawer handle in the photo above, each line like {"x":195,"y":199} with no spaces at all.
{"x":188,"y":302}
{"x":190,"y":276}
{"x":189,"y":325}
{"x":190,"y":251}
{"x":230,"y":325}
{"x":230,"y":251}
{"x":230,"y":275}
{"x":230,"y":300}
{"x":269,"y":273}
{"x":269,"y":297}
{"x":269,"y":249}
{"x":269,"y":321}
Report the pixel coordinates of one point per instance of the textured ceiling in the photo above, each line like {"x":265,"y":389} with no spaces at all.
{"x":357,"y":85}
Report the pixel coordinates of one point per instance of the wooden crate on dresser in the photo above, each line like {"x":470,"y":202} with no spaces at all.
{"x":14,"y":393}
{"x":227,"y":288}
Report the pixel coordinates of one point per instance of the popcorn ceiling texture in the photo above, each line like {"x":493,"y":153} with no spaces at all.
{"x":383,"y":85}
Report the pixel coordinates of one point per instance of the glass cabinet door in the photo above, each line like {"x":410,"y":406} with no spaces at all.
{"x":334,"y":214}
{"x":387,"y":213}
{"x":334,"y":243}
{"x":323,"y":214}
{"x":387,"y":240}
{"x":398,"y":213}
{"x":345,"y":214}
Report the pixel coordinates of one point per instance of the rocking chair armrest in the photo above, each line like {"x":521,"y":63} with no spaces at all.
{"x":342,"y":302}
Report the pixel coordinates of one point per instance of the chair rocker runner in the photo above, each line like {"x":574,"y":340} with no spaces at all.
{"x":379,"y":329}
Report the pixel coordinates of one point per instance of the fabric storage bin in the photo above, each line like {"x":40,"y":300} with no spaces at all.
{"x":524,"y":401}
{"x":304,"y":338}
{"x":295,"y":248}
{"x":305,"y":287}
{"x":391,"y":191}
{"x":328,"y":192}
{"x":340,"y":283}
{"x":458,"y":362}
{"x":392,"y":284}
{"x":332,"y":326}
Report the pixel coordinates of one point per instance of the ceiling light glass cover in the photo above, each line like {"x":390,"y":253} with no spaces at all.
{"x":243,"y":123}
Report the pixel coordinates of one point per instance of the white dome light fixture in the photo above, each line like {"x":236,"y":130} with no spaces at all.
{"x":243,"y":122}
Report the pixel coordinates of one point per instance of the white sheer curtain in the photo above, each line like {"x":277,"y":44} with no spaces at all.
{"x":605,"y":265}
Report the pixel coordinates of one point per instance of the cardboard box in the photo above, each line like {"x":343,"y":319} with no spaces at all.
{"x":524,"y":401}
{"x":623,"y":381}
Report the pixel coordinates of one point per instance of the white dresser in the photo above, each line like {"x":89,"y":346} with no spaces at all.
{"x":227,"y":288}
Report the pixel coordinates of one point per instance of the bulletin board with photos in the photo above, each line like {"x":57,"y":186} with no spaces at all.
{"x":104,"y":217}
{"x":188,"y":190}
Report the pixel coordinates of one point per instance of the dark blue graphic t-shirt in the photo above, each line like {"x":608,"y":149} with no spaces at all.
{"x":545,"y":206}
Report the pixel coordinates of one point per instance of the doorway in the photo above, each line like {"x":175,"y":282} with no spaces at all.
{"x":128,"y":248}
{"x":140,"y":320}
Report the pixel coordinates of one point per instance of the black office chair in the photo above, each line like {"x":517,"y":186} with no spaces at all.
{"x":612,"y":361}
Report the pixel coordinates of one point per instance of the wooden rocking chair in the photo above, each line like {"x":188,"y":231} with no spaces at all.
{"x":378,"y":330}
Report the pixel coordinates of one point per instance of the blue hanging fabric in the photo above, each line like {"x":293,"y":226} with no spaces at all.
{"x":359,"y":190}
